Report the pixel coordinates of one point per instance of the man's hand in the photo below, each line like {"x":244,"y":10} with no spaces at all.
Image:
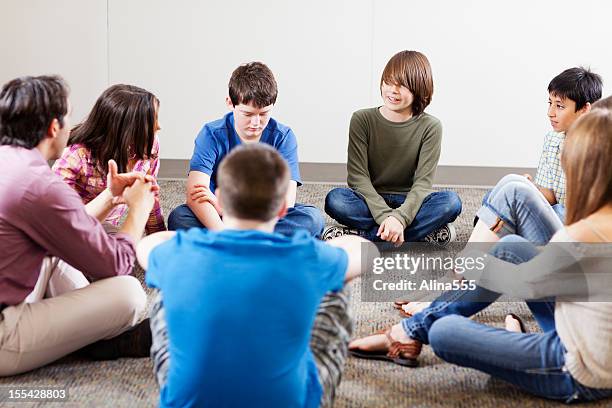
{"x":139,"y":195}
{"x":391,"y":230}
{"x":117,"y":182}
{"x":528,"y":177}
{"x":201,"y":194}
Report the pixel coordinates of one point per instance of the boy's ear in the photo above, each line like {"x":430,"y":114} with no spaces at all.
{"x":219,"y":199}
{"x":228,"y":102}
{"x":586,"y":108}
{"x":283,"y":209}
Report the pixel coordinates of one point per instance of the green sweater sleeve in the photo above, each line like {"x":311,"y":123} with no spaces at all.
{"x":358,"y":172}
{"x":429,"y":155}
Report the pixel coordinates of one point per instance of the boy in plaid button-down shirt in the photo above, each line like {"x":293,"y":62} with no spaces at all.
{"x":534,"y":209}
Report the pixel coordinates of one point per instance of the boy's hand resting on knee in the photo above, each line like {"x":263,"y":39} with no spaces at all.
{"x":391,"y":230}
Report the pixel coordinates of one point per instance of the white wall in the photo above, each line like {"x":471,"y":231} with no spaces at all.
{"x":492,"y":61}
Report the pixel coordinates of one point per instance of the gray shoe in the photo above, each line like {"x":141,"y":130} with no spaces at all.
{"x":442,"y":236}
{"x":335,"y":231}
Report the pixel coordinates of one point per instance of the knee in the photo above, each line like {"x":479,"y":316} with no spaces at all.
{"x":444,"y":333}
{"x":452,"y":207}
{"x":514,"y":249}
{"x":129,"y":297}
{"x":335,"y":202}
{"x":317,"y":220}
{"x":516,"y":185}
{"x":512,"y":178}
{"x":176,"y":218}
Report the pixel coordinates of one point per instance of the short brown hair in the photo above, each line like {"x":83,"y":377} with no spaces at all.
{"x":253,"y":82}
{"x":411,"y":69}
{"x":28,"y":105}
{"x":605,"y":103}
{"x":586,"y":159}
{"x":253,"y":179}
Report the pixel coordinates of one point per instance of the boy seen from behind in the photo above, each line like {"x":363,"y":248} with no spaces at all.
{"x":288,"y":348}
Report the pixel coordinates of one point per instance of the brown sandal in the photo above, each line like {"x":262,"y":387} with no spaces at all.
{"x":404,"y":354}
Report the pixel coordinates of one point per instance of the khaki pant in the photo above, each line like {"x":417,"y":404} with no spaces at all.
{"x":42,"y":329}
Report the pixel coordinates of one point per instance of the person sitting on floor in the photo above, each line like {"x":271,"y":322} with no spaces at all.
{"x":50,"y":242}
{"x":572,"y":359}
{"x":252,"y":94}
{"x":121,"y":126}
{"x":393,"y":153}
{"x":534,"y":209}
{"x":285,"y":350}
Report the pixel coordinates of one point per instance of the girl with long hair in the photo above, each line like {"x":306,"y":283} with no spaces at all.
{"x":121,"y":126}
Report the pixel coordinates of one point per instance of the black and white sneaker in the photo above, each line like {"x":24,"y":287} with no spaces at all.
{"x":443,"y":236}
{"x":335,"y":231}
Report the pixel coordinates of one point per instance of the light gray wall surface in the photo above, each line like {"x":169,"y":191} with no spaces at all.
{"x":492,"y":62}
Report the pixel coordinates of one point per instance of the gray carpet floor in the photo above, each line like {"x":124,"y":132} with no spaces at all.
{"x":130,"y":383}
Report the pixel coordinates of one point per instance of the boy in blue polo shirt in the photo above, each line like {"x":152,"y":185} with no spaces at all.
{"x":288,"y":348}
{"x":252,"y":94}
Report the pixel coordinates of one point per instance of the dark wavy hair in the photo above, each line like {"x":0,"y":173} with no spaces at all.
{"x":28,"y":105}
{"x":121,"y":124}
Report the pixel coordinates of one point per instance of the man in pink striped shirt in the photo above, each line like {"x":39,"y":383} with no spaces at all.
{"x":52,"y":246}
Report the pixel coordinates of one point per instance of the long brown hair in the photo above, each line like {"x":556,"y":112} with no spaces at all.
{"x":587,"y":162}
{"x":121,"y":124}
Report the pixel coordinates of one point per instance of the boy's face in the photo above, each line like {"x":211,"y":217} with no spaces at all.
{"x":562,"y":112}
{"x":396,"y":98}
{"x":250,"y":121}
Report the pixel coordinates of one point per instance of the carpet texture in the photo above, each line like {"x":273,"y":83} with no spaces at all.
{"x":130,"y":382}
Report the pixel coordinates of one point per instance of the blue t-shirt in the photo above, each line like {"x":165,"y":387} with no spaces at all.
{"x":239,"y":307}
{"x":217,"y":138}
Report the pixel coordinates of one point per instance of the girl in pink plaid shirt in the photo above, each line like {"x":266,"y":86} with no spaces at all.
{"x":121,"y":126}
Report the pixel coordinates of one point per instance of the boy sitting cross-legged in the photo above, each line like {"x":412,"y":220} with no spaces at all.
{"x":393,"y":153}
{"x":285,"y":350}
{"x":252,"y":95}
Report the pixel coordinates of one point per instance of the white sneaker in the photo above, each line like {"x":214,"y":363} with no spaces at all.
{"x":443,"y":236}
{"x":335,"y":231}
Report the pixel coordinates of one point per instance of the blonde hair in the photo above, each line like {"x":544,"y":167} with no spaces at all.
{"x":605,"y":103}
{"x":587,"y":162}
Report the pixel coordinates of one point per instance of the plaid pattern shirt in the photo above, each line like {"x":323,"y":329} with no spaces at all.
{"x":77,"y":169}
{"x":550,"y":174}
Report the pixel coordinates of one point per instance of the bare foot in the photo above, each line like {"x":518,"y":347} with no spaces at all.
{"x":380,"y":342}
{"x":513,"y":324}
{"x":413,"y":308}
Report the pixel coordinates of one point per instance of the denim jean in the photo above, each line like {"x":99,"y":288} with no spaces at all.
{"x":349,"y":208}
{"x":516,"y":206}
{"x":533,"y":362}
{"x":300,"y":216}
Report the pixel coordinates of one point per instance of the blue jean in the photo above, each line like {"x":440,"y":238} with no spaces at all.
{"x":300,"y":216}
{"x":349,"y":208}
{"x":516,"y":206}
{"x":533,"y":362}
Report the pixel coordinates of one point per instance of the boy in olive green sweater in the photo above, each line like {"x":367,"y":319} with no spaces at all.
{"x":392,"y":157}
